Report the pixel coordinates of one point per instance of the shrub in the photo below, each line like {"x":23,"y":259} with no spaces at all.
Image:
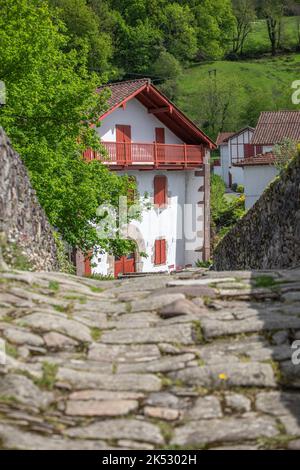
{"x":224,"y":213}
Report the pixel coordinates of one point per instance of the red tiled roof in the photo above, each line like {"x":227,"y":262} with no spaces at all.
{"x":152,"y":98}
{"x":223,"y":137}
{"x":122,"y":90}
{"x":262,"y":159}
{"x":273,"y":127}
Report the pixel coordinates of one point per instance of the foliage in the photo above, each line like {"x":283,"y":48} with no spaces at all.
{"x":127,"y":37}
{"x":179,"y":32}
{"x":204,"y":264}
{"x":64,"y":263}
{"x":85,"y":30}
{"x":216,"y":104}
{"x":51,"y":105}
{"x":284,"y":152}
{"x":137,"y":47}
{"x":215,"y":25}
{"x":48,"y":379}
{"x":224,"y":213}
{"x":13,"y":255}
{"x":166,"y":66}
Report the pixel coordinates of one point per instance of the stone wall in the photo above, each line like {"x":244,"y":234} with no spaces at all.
{"x":23,"y":224}
{"x":269,"y":235}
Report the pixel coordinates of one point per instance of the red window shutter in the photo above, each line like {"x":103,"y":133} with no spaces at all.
{"x":160,"y":190}
{"x":123,"y":133}
{"x":248,"y":150}
{"x":160,"y":135}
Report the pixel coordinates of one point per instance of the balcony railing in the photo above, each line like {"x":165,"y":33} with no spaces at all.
{"x":126,"y":154}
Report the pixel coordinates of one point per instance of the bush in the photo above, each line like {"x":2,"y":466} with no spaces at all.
{"x":240,"y":189}
{"x":224,"y":213}
{"x":234,"y":187}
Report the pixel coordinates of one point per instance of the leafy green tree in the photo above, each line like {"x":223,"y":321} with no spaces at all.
{"x":51,"y":104}
{"x":215,"y":26}
{"x":137,"y":47}
{"x":179,"y":33}
{"x":84,"y":28}
{"x":167,"y":69}
{"x":166,"y":66}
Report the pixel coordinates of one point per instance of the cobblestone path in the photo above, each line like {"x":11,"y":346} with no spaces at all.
{"x":200,"y":360}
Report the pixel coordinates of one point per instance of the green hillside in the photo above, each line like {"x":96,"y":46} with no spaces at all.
{"x":252,"y":86}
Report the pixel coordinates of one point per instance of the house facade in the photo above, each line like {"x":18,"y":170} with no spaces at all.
{"x":260,"y":169}
{"x":233,"y":148}
{"x":148,"y":138}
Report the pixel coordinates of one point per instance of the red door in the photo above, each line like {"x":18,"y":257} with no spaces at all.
{"x":160,"y":139}
{"x":125,"y":264}
{"x":123,"y":136}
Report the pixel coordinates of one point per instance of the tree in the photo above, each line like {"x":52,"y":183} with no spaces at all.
{"x":179,"y":33}
{"x":51,"y":105}
{"x":84,"y":28}
{"x":167,"y":69}
{"x":218,"y":104}
{"x":273,"y":12}
{"x":166,"y":66}
{"x":137,"y":47}
{"x":215,"y":25}
{"x":244,"y":12}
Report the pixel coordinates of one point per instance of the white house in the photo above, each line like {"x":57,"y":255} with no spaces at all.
{"x":233,"y":147}
{"x":259,"y":169}
{"x":149,"y":138}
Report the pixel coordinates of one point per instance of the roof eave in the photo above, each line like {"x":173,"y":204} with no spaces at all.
{"x":193,"y":128}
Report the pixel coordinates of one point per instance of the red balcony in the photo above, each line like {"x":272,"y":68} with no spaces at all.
{"x":148,"y":155}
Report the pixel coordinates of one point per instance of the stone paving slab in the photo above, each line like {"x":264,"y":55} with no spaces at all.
{"x":199,"y":360}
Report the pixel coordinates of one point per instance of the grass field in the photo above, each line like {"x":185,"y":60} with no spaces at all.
{"x":268,"y":78}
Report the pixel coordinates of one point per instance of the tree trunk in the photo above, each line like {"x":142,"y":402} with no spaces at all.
{"x":272,"y":30}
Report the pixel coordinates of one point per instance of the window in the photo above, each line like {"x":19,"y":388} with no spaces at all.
{"x":160,"y":135}
{"x":248,"y":150}
{"x":160,"y":191}
{"x":160,"y":256}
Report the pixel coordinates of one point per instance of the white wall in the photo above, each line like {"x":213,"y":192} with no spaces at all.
{"x":193,"y":218}
{"x":181,"y":227}
{"x":267,"y":148}
{"x":223,"y":170}
{"x":257,"y":178}
{"x":236,"y":150}
{"x":237,"y":175}
{"x":142,"y":124}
